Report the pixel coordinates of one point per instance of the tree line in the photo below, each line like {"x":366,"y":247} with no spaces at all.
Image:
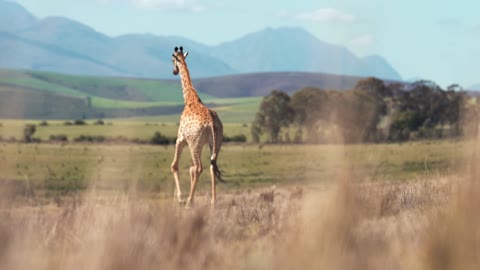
{"x":373,"y":111}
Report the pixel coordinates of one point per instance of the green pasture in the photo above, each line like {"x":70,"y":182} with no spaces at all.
{"x":128,"y":93}
{"x":100,"y":102}
{"x":58,"y":169}
{"x":142,"y":129}
{"x":156,"y":92}
{"x":231,"y":111}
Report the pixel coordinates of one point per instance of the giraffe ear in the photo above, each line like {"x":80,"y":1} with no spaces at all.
{"x":176,"y":58}
{"x":185,"y":55}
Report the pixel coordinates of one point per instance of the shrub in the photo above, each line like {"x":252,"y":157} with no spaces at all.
{"x":59,"y":138}
{"x":79,"y":122}
{"x":89,"y":138}
{"x":28,"y":132}
{"x":67,"y":123}
{"x":159,"y":138}
{"x":236,"y":138}
{"x":43,"y":123}
{"x":35,"y":140}
{"x":99,"y":122}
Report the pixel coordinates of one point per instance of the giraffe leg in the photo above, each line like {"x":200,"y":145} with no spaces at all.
{"x":214,"y":195}
{"x":214,"y":171}
{"x":195,"y":172}
{"x":174,"y":168}
{"x":212,"y":175}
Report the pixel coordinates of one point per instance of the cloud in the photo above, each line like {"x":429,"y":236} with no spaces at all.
{"x":363,"y":41}
{"x":326,"y":15}
{"x":182,"y":5}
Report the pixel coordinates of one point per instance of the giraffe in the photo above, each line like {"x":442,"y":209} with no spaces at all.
{"x":198,"y":126}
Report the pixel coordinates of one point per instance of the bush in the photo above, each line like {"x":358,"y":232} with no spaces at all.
{"x":236,"y":138}
{"x":28,"y":132}
{"x":59,"y":138}
{"x":79,"y":122}
{"x":99,"y":122}
{"x":67,"y":123}
{"x":89,"y":138}
{"x":159,"y":138}
{"x":43,"y":123}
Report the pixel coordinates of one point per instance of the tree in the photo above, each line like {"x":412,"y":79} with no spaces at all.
{"x":28,"y":132}
{"x":311,"y":106}
{"x":359,"y":116}
{"x":374,"y":87}
{"x":256,"y":131}
{"x":274,"y":114}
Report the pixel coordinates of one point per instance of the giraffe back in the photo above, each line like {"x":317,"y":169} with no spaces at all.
{"x":198,"y":123}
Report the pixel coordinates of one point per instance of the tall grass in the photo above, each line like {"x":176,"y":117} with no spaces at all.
{"x":351,"y":224}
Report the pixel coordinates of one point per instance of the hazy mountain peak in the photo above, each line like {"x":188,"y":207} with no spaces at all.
{"x":63,"y":25}
{"x":62,"y":32}
{"x":295,"y":49}
{"x":280,"y":33}
{"x":379,"y":66}
{"x":14,"y":17}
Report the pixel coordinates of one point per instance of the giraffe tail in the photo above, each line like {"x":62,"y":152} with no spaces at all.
{"x":216,"y":171}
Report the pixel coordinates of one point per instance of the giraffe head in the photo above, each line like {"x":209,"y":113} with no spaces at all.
{"x":178,"y":59}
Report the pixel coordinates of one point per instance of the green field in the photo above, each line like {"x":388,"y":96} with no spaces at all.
{"x":108,"y":96}
{"x":57,"y":168}
{"x":140,"y":128}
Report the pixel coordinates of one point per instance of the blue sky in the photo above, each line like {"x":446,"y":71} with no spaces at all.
{"x":432,"y":39}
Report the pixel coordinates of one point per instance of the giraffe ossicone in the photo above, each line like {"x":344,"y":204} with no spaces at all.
{"x":198,"y":126}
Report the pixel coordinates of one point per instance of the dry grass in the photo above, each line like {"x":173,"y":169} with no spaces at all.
{"x":354,"y":221}
{"x":349,"y":225}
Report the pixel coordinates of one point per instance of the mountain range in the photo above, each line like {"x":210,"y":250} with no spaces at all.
{"x":63,"y":45}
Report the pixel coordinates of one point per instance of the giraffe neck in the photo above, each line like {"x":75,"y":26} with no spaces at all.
{"x":189,"y":93}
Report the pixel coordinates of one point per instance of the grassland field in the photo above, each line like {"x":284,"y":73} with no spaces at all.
{"x":110,"y":205}
{"x":140,"y":128}
{"x":56,"y":169}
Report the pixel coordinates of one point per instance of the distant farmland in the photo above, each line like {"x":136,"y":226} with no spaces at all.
{"x":45,"y":95}
{"x":41,"y":95}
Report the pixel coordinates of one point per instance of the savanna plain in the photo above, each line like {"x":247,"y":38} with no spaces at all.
{"x":333,"y":206}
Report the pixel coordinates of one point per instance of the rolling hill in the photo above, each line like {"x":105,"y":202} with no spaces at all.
{"x":46,"y":95}
{"x":63,"y":45}
{"x":261,"y":84}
